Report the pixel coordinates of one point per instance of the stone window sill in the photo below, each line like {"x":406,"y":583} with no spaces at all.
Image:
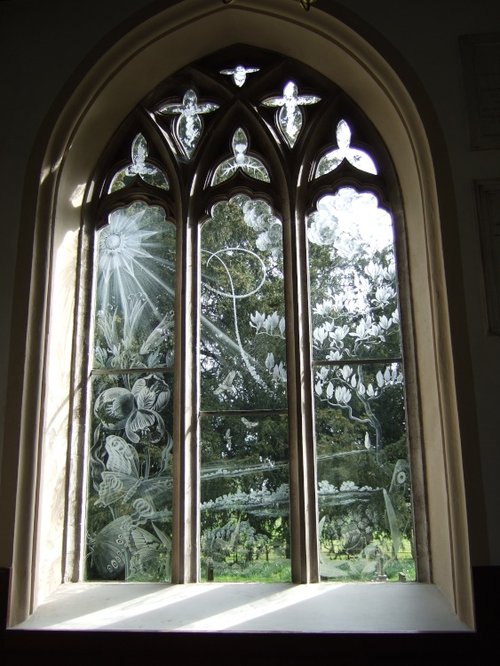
{"x":325,"y":608}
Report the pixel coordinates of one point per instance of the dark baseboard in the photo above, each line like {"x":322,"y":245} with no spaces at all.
{"x":4,"y":596}
{"x":486,"y":581}
{"x":277,"y":649}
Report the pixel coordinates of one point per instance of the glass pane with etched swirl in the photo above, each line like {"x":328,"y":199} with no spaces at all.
{"x":242,"y":351}
{"x":244,"y":434}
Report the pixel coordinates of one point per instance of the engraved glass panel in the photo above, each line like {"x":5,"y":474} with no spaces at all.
{"x":365,"y":516}
{"x":250,"y":165}
{"x":129,"y":500}
{"x":358,"y":158}
{"x":188,"y":125}
{"x":128,"y":511}
{"x":134,"y":319}
{"x":245,"y":498}
{"x":139,"y":167}
{"x":244,"y":438}
{"x":239,"y":74}
{"x":242,"y":353}
{"x":290,"y":117}
{"x":354,"y":305}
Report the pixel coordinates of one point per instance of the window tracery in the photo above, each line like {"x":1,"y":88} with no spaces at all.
{"x":247,"y":214}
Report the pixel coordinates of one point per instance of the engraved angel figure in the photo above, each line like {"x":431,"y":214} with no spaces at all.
{"x":188,"y":125}
{"x":290,"y":115}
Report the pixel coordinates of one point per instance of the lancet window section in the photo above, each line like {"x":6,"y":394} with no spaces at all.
{"x":247,"y":404}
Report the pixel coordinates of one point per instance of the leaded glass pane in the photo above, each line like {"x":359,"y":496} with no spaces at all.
{"x":139,"y":167}
{"x":239,"y":74}
{"x":129,"y":479}
{"x":128,"y":519}
{"x":354,"y":304}
{"x":250,"y":165}
{"x":188,"y":125}
{"x":290,"y":116}
{"x":364,"y":502}
{"x":134,"y":316}
{"x":356,"y":157}
{"x":245,"y":499}
{"x":242,"y":308}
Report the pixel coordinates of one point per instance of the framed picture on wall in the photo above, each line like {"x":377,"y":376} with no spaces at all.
{"x":488,"y":208}
{"x":481,"y":67}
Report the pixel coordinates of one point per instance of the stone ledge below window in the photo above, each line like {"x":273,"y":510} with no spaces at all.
{"x":322,"y":608}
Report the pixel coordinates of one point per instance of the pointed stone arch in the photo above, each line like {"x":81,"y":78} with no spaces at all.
{"x":39,"y":496}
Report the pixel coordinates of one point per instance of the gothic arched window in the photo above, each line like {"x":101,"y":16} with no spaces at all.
{"x":179,"y":429}
{"x":246,"y":401}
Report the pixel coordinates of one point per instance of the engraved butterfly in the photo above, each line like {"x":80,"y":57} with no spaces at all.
{"x":122,"y":548}
{"x":121,"y":481}
{"x":227,"y":384}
